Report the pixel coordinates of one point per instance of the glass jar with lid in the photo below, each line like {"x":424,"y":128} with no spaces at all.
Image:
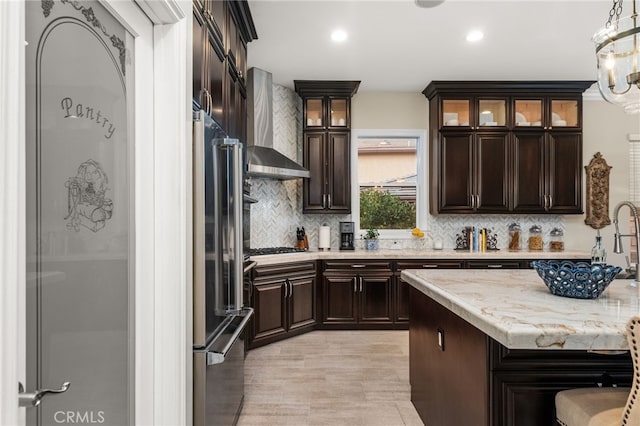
{"x":556,"y":242}
{"x":514,"y":237}
{"x":535,"y":238}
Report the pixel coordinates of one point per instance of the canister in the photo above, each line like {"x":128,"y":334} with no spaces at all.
{"x":556,"y":242}
{"x":514,"y":237}
{"x":535,"y":238}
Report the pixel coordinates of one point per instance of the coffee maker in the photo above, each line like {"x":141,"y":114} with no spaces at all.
{"x":346,"y":235}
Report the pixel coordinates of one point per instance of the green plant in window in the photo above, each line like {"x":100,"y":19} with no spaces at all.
{"x":382,"y":210}
{"x":371,"y":234}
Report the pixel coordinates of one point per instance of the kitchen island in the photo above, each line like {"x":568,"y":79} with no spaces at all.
{"x":494,"y":347}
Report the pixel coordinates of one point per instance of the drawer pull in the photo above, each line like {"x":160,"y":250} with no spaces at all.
{"x":430,"y":266}
{"x":494,"y":266}
{"x":358,"y":266}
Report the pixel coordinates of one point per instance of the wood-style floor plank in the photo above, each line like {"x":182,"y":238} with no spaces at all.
{"x":330,"y":378}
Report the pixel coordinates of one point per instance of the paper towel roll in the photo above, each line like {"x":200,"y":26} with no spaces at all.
{"x":324,"y":238}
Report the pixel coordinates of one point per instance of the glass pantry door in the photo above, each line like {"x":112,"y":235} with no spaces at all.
{"x":79,"y":219}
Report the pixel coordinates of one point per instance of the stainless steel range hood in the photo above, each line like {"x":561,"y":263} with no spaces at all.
{"x":263,"y":159}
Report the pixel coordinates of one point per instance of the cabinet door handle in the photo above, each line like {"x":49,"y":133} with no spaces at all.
{"x":324,"y":201}
{"x":546,"y":202}
{"x":477,"y":201}
{"x":550,"y":201}
{"x":329,"y":201}
{"x":360,"y":284}
{"x":355,"y":284}
{"x":286,"y":289}
{"x":290,"y":289}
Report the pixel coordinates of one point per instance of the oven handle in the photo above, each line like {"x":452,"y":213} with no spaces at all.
{"x":250,"y":266}
{"x":214,"y":357}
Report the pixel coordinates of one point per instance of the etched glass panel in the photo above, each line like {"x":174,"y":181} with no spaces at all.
{"x":79,"y":213}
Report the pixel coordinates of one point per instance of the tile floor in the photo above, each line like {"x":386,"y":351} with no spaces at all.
{"x":330,"y":378}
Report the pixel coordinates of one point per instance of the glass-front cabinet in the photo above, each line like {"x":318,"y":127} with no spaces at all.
{"x":528,"y":113}
{"x":314,"y":112}
{"x":564,"y":113}
{"x":326,"y":112}
{"x":547,"y":113}
{"x":536,"y":112}
{"x":338,"y":112}
{"x":491,"y":112}
{"x":474,"y":113}
{"x":455,"y":112}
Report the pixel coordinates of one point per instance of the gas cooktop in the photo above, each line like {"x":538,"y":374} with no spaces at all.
{"x":274,"y":250}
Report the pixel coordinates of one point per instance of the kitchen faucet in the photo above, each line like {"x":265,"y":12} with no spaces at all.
{"x":617,"y":243}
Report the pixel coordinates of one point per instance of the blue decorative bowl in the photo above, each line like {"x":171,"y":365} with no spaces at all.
{"x":579,"y":280}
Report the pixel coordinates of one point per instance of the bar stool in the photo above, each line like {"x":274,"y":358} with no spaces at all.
{"x":605,"y":406}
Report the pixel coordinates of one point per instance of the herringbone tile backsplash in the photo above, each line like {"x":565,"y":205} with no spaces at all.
{"x":278,"y":213}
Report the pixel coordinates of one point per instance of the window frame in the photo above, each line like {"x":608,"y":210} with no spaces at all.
{"x":421,"y":178}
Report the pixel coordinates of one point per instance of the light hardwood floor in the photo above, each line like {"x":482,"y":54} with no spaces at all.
{"x":330,"y":378}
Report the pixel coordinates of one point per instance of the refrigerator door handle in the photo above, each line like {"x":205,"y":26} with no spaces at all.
{"x":218,"y":357}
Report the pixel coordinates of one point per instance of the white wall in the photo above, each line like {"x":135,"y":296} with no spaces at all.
{"x":389,"y":110}
{"x":606,"y":130}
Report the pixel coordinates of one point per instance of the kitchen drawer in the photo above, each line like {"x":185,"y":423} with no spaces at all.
{"x":357,"y":265}
{"x":493,"y":264}
{"x":429,"y":264}
{"x":286,"y":269}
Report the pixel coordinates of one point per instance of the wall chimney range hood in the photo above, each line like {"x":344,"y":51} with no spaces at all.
{"x":263,"y":159}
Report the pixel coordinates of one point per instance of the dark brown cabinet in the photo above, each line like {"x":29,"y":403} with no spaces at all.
{"x":557,"y":190}
{"x":357,"y":294}
{"x":221,"y":31}
{"x":326,"y":155}
{"x":506,"y":147}
{"x":326,"y":121}
{"x":473,"y":172}
{"x":284,"y":300}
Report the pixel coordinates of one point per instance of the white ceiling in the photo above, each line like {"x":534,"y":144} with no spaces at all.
{"x":394,"y":45}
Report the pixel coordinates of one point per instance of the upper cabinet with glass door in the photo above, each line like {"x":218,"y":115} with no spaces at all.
{"x":326,"y":112}
{"x":326,"y":103}
{"x":314,"y":112}
{"x":564,"y":113}
{"x":474,"y":113}
{"x":546,"y":112}
{"x":500,"y":105}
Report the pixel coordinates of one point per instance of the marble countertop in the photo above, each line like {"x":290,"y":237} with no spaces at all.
{"x":515,"y":308}
{"x":414,"y":254}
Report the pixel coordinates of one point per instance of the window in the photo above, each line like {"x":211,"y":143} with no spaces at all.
{"x":389,"y":181}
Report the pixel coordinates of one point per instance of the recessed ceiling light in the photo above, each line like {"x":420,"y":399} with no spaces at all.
{"x":338,"y":36}
{"x":474,"y":36}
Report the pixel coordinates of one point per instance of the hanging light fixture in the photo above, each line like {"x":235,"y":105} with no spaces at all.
{"x":618,"y":56}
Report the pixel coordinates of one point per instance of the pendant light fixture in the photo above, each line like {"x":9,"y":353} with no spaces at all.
{"x":618,"y":56}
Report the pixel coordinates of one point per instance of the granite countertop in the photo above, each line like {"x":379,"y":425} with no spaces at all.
{"x":515,"y":308}
{"x":414,"y":254}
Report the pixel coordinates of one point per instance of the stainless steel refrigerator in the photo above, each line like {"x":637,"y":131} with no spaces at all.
{"x":219,"y":317}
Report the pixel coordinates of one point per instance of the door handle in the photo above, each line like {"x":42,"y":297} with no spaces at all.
{"x":360,"y":284}
{"x":355,"y":284}
{"x":33,"y":399}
